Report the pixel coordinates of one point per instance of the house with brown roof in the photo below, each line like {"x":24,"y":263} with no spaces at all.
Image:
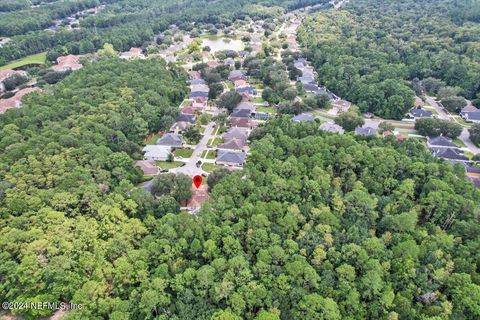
{"x":6,"y":74}
{"x":16,"y":100}
{"x":240,"y":83}
{"x":194,"y":75}
{"x":241,"y":122}
{"x":132,"y":53}
{"x":67,"y":63}
{"x":148,"y":167}
{"x":232,"y":144}
{"x":188,"y":110}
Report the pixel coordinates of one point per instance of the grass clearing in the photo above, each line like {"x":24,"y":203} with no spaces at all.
{"x":266,"y":109}
{"x":152,"y":139}
{"x":183,"y":152}
{"x":258,"y":100}
{"x":39,"y":58}
{"x":209,"y":167}
{"x":165,"y":165}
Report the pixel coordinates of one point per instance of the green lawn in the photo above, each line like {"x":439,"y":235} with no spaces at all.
{"x":184,"y":152}
{"x":209,"y":167}
{"x":266,"y":109}
{"x":216,"y":141}
{"x":208,"y":154}
{"x":258,"y":100}
{"x":39,"y":58}
{"x":459,"y":142}
{"x":168,"y":165}
{"x":153,"y":138}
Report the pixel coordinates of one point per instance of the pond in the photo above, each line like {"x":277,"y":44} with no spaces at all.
{"x":222,"y":44}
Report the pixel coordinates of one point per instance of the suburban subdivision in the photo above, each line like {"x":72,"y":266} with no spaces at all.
{"x":338,"y":144}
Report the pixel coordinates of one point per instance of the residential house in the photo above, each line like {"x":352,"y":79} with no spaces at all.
{"x":467,"y":109}
{"x":241,"y":122}
{"x":341,"y":105}
{"x":155,"y":152}
{"x":241,"y":113}
{"x":311,"y":88}
{"x":245,"y":105}
{"x":180,"y":127}
{"x":248,"y":89}
{"x":231,"y":158}
{"x":417,"y":113}
{"x":199,"y":100}
{"x":470,"y":113}
{"x":6,"y":74}
{"x":235,"y":133}
{"x":197,"y":81}
{"x":188,"y":110}
{"x":240,"y":83}
{"x":262,"y":115}
{"x":67,"y":63}
{"x":331,"y":127}
{"x":199,"y":88}
{"x":235,"y":75}
{"x":440,"y":142}
{"x":171,"y":140}
{"x":303,"y":117}
{"x":229,"y":62}
{"x":186,"y":118}
{"x":452,"y":154}
{"x":199,"y":94}
{"x":366,"y":131}
{"x":148,"y":167}
{"x":16,"y":100}
{"x":232,"y":144}
{"x":133,"y":53}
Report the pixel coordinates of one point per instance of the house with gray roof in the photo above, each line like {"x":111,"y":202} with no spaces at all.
{"x":197,"y":81}
{"x":182,"y":117}
{"x":417,"y":113}
{"x":331,"y":127}
{"x":241,"y":113}
{"x":198,"y":94}
{"x":471,"y":116}
{"x":235,"y":133}
{"x":231,"y":158}
{"x":366,"y":131}
{"x":440,"y":142}
{"x":449,"y":154}
{"x":170,"y":139}
{"x":232,"y":144}
{"x":236,"y":75}
{"x":303,"y":117}
{"x":155,"y":152}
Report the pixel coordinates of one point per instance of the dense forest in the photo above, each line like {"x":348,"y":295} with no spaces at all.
{"x":369,"y":52}
{"x":126,"y":23}
{"x":317,"y":226}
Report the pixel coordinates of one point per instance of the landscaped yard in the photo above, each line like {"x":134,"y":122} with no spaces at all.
{"x":208,"y":154}
{"x":266,"y":109}
{"x":33,"y":59}
{"x":215,"y":142}
{"x":165,"y":165}
{"x":209,"y":167}
{"x":153,"y":138}
{"x":258,"y":100}
{"x":459,"y":143}
{"x":184,"y":152}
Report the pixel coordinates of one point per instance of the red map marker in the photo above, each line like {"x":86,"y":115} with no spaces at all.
{"x":197,"y":181}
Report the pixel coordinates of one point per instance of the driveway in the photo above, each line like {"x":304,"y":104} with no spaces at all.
{"x":441,"y":113}
{"x":465,"y":138}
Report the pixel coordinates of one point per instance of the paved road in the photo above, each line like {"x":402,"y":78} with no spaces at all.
{"x":465,"y":138}
{"x":190,"y":168}
{"x":441,"y":113}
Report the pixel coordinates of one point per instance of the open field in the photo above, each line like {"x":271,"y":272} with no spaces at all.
{"x":39,"y":58}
